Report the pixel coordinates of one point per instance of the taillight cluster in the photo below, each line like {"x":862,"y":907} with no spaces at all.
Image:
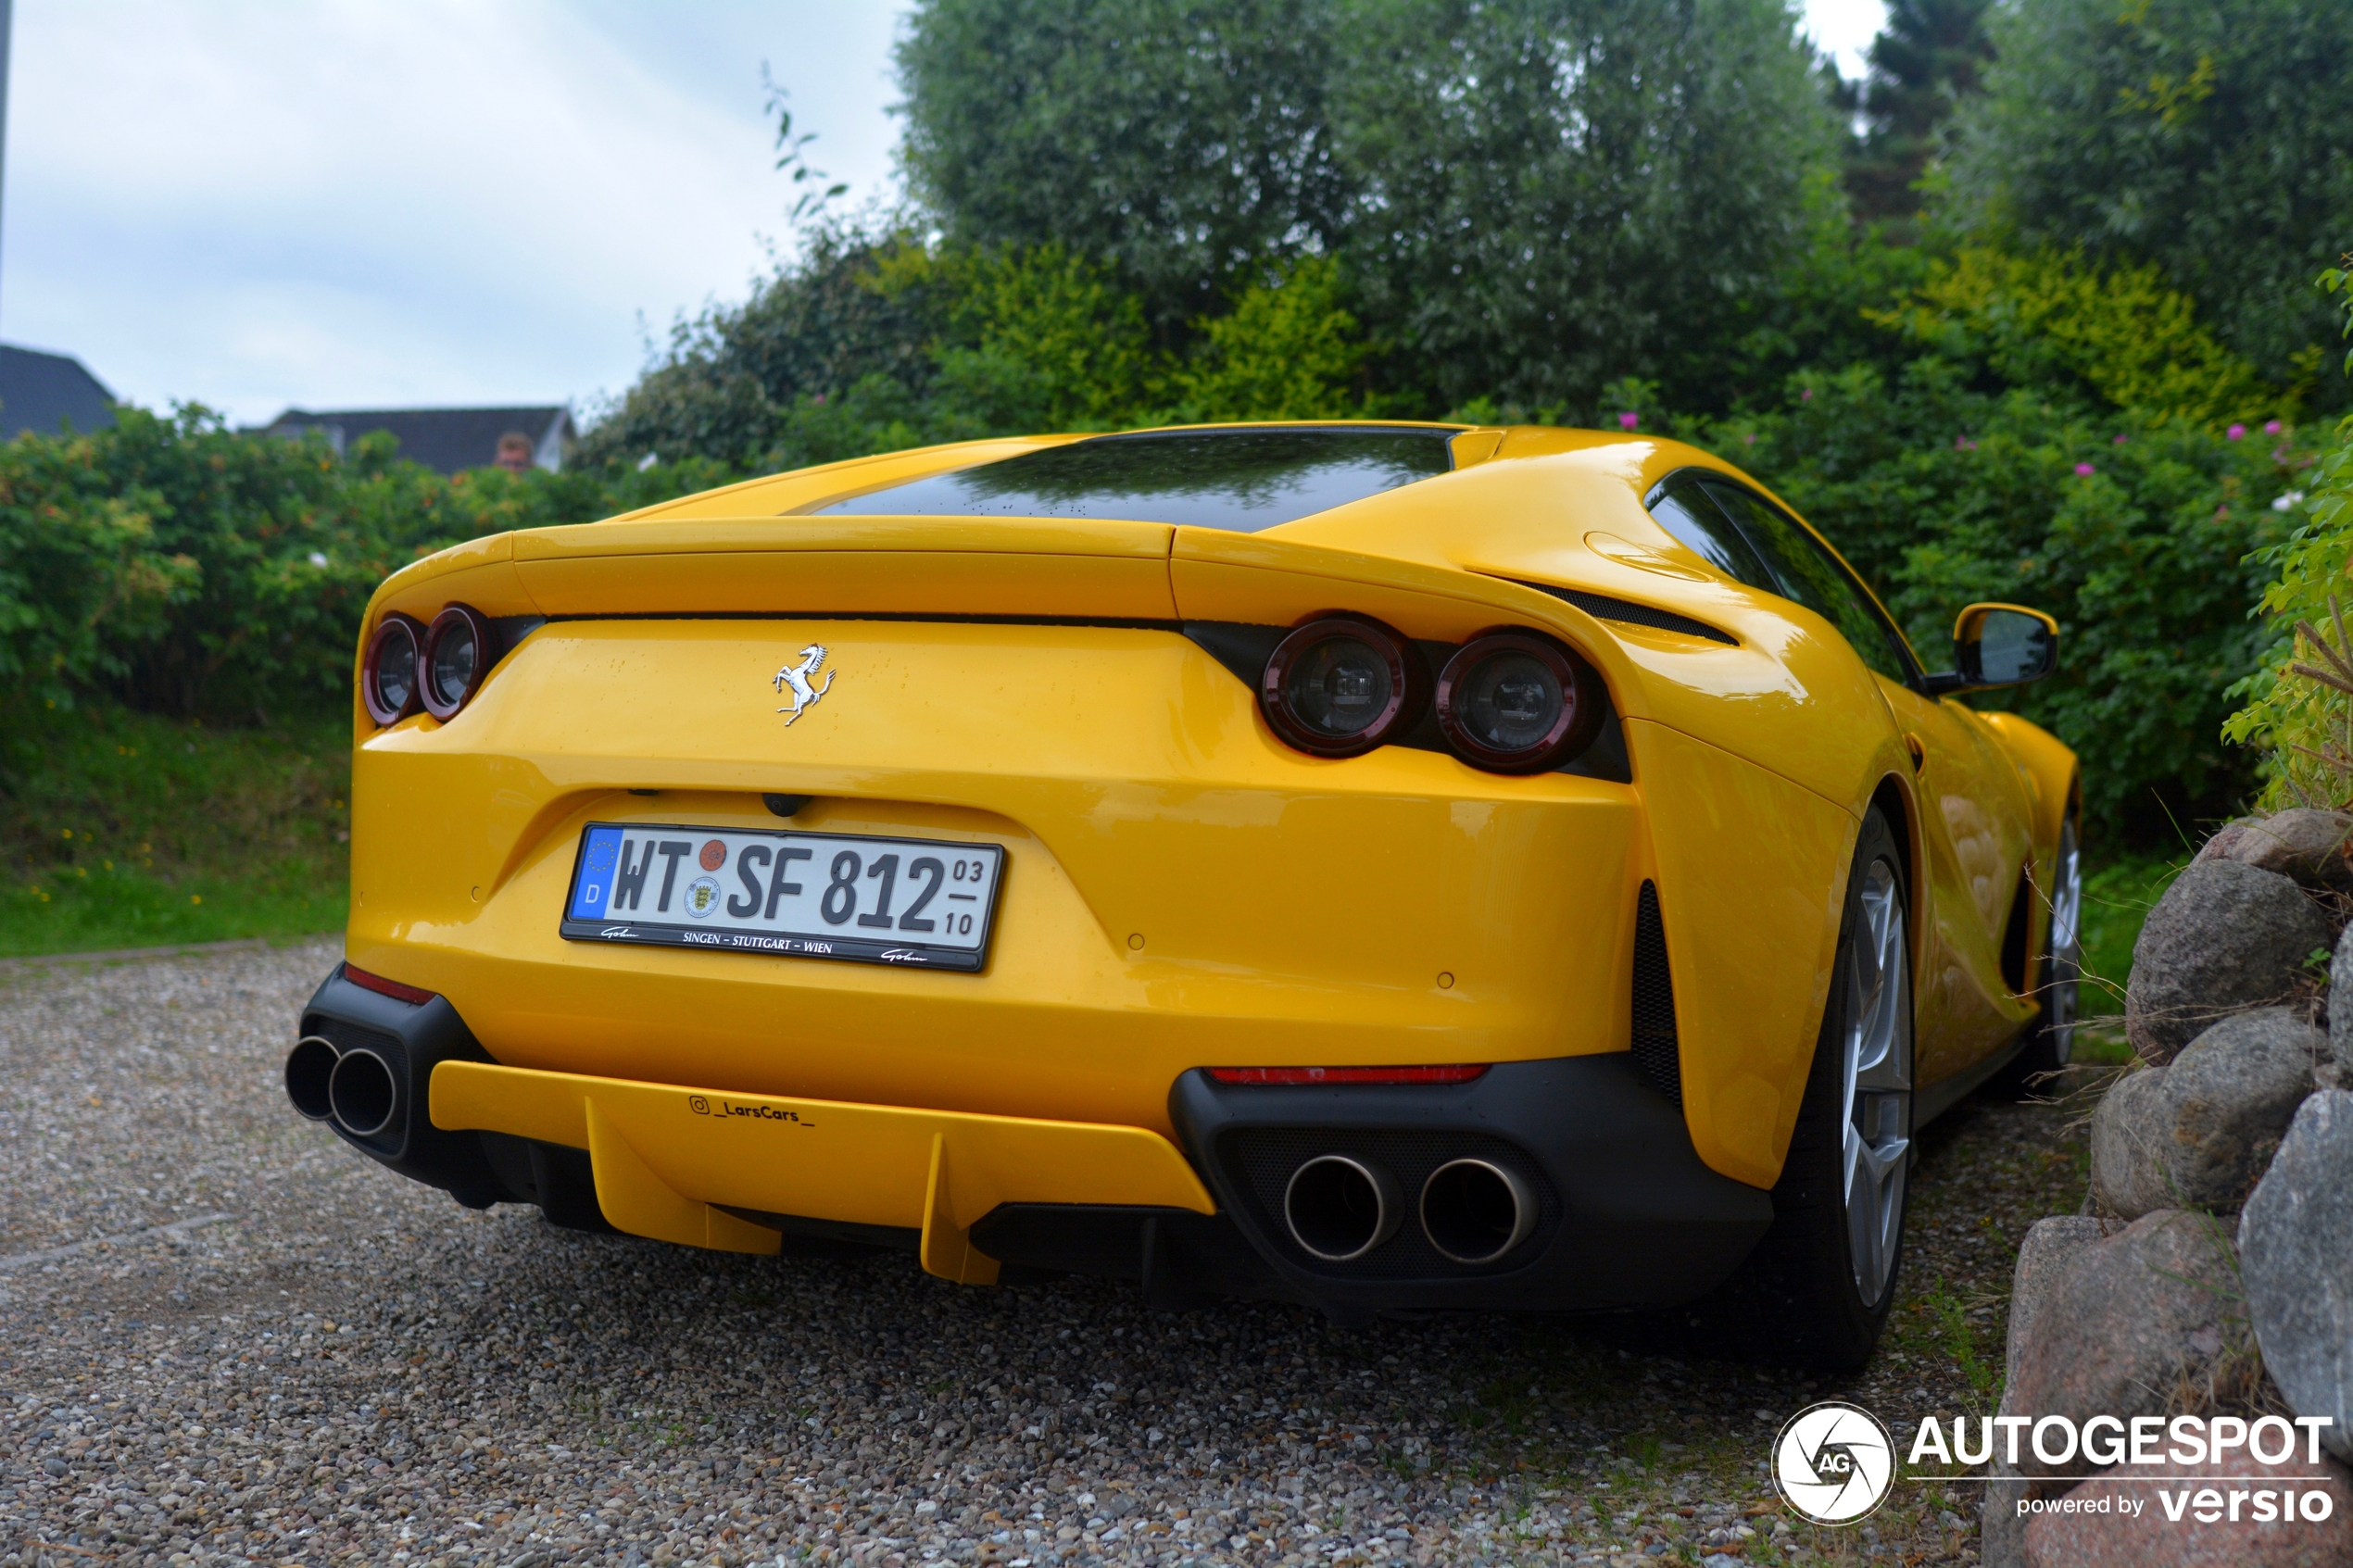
{"x":410,"y":665}
{"x":1510,"y":701}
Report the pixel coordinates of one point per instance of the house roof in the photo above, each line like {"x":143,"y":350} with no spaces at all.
{"x":446,"y":439}
{"x":39,"y":392}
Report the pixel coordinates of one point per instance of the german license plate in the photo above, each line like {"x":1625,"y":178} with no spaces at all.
{"x":910,"y":902}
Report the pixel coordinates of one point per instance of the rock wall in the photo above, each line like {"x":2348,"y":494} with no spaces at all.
{"x":2212,"y":1269}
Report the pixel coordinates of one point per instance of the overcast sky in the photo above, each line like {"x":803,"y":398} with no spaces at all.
{"x":348,"y":204}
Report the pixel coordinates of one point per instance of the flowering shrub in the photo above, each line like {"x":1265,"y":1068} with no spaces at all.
{"x":2299,"y":702}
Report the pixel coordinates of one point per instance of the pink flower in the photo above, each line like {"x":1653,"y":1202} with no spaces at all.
{"x":2270,"y":427}
{"x":1749,"y":440}
{"x":2236,"y":433}
{"x":1806,"y":395}
{"x":2121,"y":439}
{"x":1963,"y":444}
{"x":1628,"y":419}
{"x":2084,"y":469}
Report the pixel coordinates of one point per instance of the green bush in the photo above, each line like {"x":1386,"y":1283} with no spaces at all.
{"x":2299,"y":707}
{"x":2003,"y":460}
{"x":2206,"y":137}
{"x":190,"y":570}
{"x":997,"y":341}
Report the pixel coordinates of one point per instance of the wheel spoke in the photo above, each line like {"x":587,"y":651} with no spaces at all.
{"x":1877,"y":1038}
{"x":2062,"y":977}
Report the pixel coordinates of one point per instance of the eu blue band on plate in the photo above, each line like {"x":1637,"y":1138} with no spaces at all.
{"x":594,"y":887}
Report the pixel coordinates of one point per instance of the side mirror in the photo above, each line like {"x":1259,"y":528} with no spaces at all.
{"x":1998,"y":645}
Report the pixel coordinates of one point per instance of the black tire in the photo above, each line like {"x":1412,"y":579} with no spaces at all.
{"x":1801,"y":1298}
{"x":2050,"y":1039}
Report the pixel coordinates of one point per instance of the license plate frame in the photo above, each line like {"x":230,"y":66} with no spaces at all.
{"x":796,"y":874}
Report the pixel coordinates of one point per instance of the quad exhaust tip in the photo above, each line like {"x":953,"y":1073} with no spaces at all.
{"x":354,"y":1089}
{"x":361,"y":1095}
{"x":308,"y":1067}
{"x":1475,"y":1212}
{"x":1339,"y":1208}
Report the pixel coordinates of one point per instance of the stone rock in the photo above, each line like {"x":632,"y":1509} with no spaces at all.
{"x":2119,"y":1538}
{"x":2296,"y":1249}
{"x":2225,"y":840}
{"x":2136,"y":1317}
{"x":2227,"y":1101}
{"x":2341,"y":1015}
{"x":2225,"y":938}
{"x":2050,"y":1249}
{"x":2128,"y":1135}
{"x":2307,"y":845}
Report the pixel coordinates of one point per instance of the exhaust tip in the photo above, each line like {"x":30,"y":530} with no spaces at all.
{"x":360,"y":1094}
{"x":1339,"y":1209}
{"x":1475,"y":1212}
{"x":308,"y":1066}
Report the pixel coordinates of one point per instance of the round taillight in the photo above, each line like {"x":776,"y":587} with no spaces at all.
{"x":1340,"y":685}
{"x":388,"y":671}
{"x":1512,"y":702}
{"x":456,"y":657}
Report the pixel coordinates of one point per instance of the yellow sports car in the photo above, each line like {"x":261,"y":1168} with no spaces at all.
{"x":1388,"y":866}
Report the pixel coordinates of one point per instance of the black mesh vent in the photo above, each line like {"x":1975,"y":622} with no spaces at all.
{"x":353,"y":1036}
{"x":1655,"y":1055}
{"x":1601,"y":607}
{"x":1264,"y":1157}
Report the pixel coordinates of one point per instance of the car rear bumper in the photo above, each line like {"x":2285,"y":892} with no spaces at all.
{"x":1623,"y":1212}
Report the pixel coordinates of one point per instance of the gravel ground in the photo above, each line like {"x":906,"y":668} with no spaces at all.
{"x":225,"y":1337}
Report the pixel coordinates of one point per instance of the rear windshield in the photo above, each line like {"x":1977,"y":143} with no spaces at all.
{"x":1239,"y":478}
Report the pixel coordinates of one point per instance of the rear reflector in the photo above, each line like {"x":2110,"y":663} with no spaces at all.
{"x":383,"y":987}
{"x":1462,"y":1074}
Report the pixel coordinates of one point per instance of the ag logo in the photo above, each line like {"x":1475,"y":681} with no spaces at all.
{"x":1833,"y":1461}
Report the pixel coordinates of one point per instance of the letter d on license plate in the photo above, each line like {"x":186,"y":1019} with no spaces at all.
{"x":913,"y":901}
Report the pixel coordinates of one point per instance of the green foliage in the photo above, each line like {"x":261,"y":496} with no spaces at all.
{"x":1184,"y":143}
{"x":1000,"y":341}
{"x":196,"y":571}
{"x":1289,"y":349}
{"x":2206,"y":136}
{"x":1931,"y":54}
{"x":1029,"y":340}
{"x":2050,"y":441}
{"x":1561,"y":192}
{"x":79,"y":569}
{"x":1527,"y":196}
{"x":2121,"y":336}
{"x":1943,"y":495}
{"x":122,"y":830}
{"x":740,"y":382}
{"x":2299,"y":707}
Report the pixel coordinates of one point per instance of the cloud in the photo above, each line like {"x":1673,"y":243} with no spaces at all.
{"x":346,"y":204}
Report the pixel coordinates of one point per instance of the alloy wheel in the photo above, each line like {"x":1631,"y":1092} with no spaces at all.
{"x":2061,"y":982}
{"x":1878,"y":1080}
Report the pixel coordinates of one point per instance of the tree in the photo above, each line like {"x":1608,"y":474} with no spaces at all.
{"x":2205,"y":135}
{"x":1555,"y":193}
{"x":1931,"y":54}
{"x":1181,"y":141}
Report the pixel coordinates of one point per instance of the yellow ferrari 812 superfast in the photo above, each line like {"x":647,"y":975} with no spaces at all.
{"x":1392,"y":868}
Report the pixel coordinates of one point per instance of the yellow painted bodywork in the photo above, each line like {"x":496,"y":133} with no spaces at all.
{"x":1182,"y":889}
{"x":671,"y":1162}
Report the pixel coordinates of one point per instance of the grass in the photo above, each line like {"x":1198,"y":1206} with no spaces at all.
{"x":121,"y":829}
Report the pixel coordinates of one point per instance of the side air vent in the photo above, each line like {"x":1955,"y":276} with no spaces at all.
{"x":2014,"y":937}
{"x":1601,"y":607}
{"x":1656,"y":1056}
